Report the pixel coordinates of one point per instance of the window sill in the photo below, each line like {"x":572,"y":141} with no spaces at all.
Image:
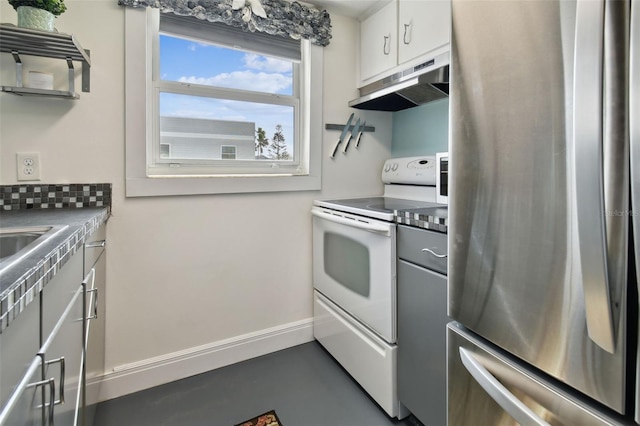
{"x":164,"y":186}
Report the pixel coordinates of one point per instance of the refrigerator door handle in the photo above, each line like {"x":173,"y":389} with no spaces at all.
{"x":588,"y":165}
{"x":500,"y":394}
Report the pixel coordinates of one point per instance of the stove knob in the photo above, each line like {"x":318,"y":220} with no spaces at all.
{"x":394,"y":167}
{"x":387,"y":167}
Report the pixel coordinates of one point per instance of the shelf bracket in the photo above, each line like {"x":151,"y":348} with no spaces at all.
{"x":72,"y":75}
{"x":16,"y":57}
{"x":86,"y":73}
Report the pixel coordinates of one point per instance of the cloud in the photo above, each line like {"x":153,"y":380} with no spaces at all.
{"x":246,"y":80}
{"x":265,"y":63}
{"x":195,"y":45}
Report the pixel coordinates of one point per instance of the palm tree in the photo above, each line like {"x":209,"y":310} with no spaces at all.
{"x":261,"y":141}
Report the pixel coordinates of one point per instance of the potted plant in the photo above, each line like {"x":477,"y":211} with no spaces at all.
{"x":38,"y":14}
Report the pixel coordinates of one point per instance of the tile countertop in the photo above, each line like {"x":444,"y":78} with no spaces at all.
{"x":432,"y":218}
{"x":21,"y":280}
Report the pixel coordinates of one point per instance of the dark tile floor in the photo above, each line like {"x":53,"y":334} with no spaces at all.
{"x":304,"y":384}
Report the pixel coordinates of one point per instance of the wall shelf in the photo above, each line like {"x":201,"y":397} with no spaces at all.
{"x":23,"y":41}
{"x":27,"y":91}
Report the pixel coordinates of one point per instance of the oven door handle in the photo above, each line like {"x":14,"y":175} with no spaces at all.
{"x":360,"y":224}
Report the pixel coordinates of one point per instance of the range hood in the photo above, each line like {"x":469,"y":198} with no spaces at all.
{"x":426,"y":82}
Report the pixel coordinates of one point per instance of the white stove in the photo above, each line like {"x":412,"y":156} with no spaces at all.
{"x":409,"y":184}
{"x":354,"y":275}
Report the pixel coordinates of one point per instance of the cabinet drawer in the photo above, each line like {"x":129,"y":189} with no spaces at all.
{"x":359,"y":351}
{"x":423,"y":247}
{"x":94,"y":247}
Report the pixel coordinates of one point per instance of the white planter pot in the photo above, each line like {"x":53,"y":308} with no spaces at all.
{"x":34,"y":18}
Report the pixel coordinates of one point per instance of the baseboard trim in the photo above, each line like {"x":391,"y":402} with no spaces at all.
{"x":145,"y":374}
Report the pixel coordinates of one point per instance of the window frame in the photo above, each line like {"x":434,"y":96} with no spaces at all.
{"x":141,"y":30}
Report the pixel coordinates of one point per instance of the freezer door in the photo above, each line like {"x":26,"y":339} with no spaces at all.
{"x":488,"y":387}
{"x":526,"y":269}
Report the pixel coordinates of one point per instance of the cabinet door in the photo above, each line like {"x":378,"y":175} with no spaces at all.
{"x":63,"y":352}
{"x":422,"y":346}
{"x":19,"y":343}
{"x":423,"y":27}
{"x":378,"y":42}
{"x":24,"y":407}
{"x":94,"y":361}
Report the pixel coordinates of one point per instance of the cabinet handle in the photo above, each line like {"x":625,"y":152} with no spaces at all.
{"x":95,"y":303}
{"x":52,"y":395}
{"x":408,"y":27}
{"x":386,"y":49}
{"x":89,"y":283}
{"x":96,"y":244}
{"x":62,"y":374}
{"x":439,"y":256}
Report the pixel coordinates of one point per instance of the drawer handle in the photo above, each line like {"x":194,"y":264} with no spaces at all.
{"x":439,"y":256}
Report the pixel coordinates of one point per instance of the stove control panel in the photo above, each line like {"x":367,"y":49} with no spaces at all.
{"x":410,"y":170}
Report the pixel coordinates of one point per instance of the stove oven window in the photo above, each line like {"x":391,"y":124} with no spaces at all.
{"x":347,"y":261}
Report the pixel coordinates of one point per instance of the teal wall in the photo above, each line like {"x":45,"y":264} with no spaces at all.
{"x":422,"y":130}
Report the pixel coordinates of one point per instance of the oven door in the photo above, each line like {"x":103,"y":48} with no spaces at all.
{"x":354,"y":265}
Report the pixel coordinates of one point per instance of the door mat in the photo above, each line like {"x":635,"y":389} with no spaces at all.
{"x":267,"y":419}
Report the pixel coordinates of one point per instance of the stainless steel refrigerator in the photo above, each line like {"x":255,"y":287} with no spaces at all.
{"x":544,"y":207}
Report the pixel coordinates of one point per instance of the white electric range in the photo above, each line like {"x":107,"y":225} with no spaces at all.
{"x":354,"y":275}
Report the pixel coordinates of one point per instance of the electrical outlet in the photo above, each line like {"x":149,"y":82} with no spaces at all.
{"x":28,"y":165}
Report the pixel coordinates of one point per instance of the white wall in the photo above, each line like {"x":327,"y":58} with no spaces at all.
{"x":188,"y":271}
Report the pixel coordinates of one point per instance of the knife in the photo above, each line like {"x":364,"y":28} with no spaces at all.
{"x":364,"y":123}
{"x":342,"y":135}
{"x":352,"y":135}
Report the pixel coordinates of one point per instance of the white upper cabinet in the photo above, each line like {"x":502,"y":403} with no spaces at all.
{"x":379,"y":41}
{"x":403,"y":33}
{"x":423,"y":27}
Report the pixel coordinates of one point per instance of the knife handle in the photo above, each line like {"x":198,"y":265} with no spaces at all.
{"x":335,"y":149}
{"x":358,"y":138}
{"x":346,"y":144}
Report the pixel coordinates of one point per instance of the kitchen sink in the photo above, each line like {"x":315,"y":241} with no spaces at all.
{"x":16,"y":242}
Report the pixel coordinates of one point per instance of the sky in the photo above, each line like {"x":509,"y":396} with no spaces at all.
{"x":190,"y":61}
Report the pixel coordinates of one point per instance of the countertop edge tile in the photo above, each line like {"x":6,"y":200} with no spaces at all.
{"x":19,"y":293}
{"x":434,"y":219}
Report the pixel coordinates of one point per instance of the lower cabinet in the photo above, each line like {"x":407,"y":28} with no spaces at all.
{"x":52,"y":356}
{"x":422,"y":324}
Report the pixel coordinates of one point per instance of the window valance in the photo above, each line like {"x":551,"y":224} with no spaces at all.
{"x":276,"y":17}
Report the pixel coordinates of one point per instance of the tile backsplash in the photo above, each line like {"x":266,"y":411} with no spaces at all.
{"x":58,"y":196}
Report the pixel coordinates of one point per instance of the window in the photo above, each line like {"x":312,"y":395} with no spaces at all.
{"x":219,"y":103}
{"x":228,"y":152}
